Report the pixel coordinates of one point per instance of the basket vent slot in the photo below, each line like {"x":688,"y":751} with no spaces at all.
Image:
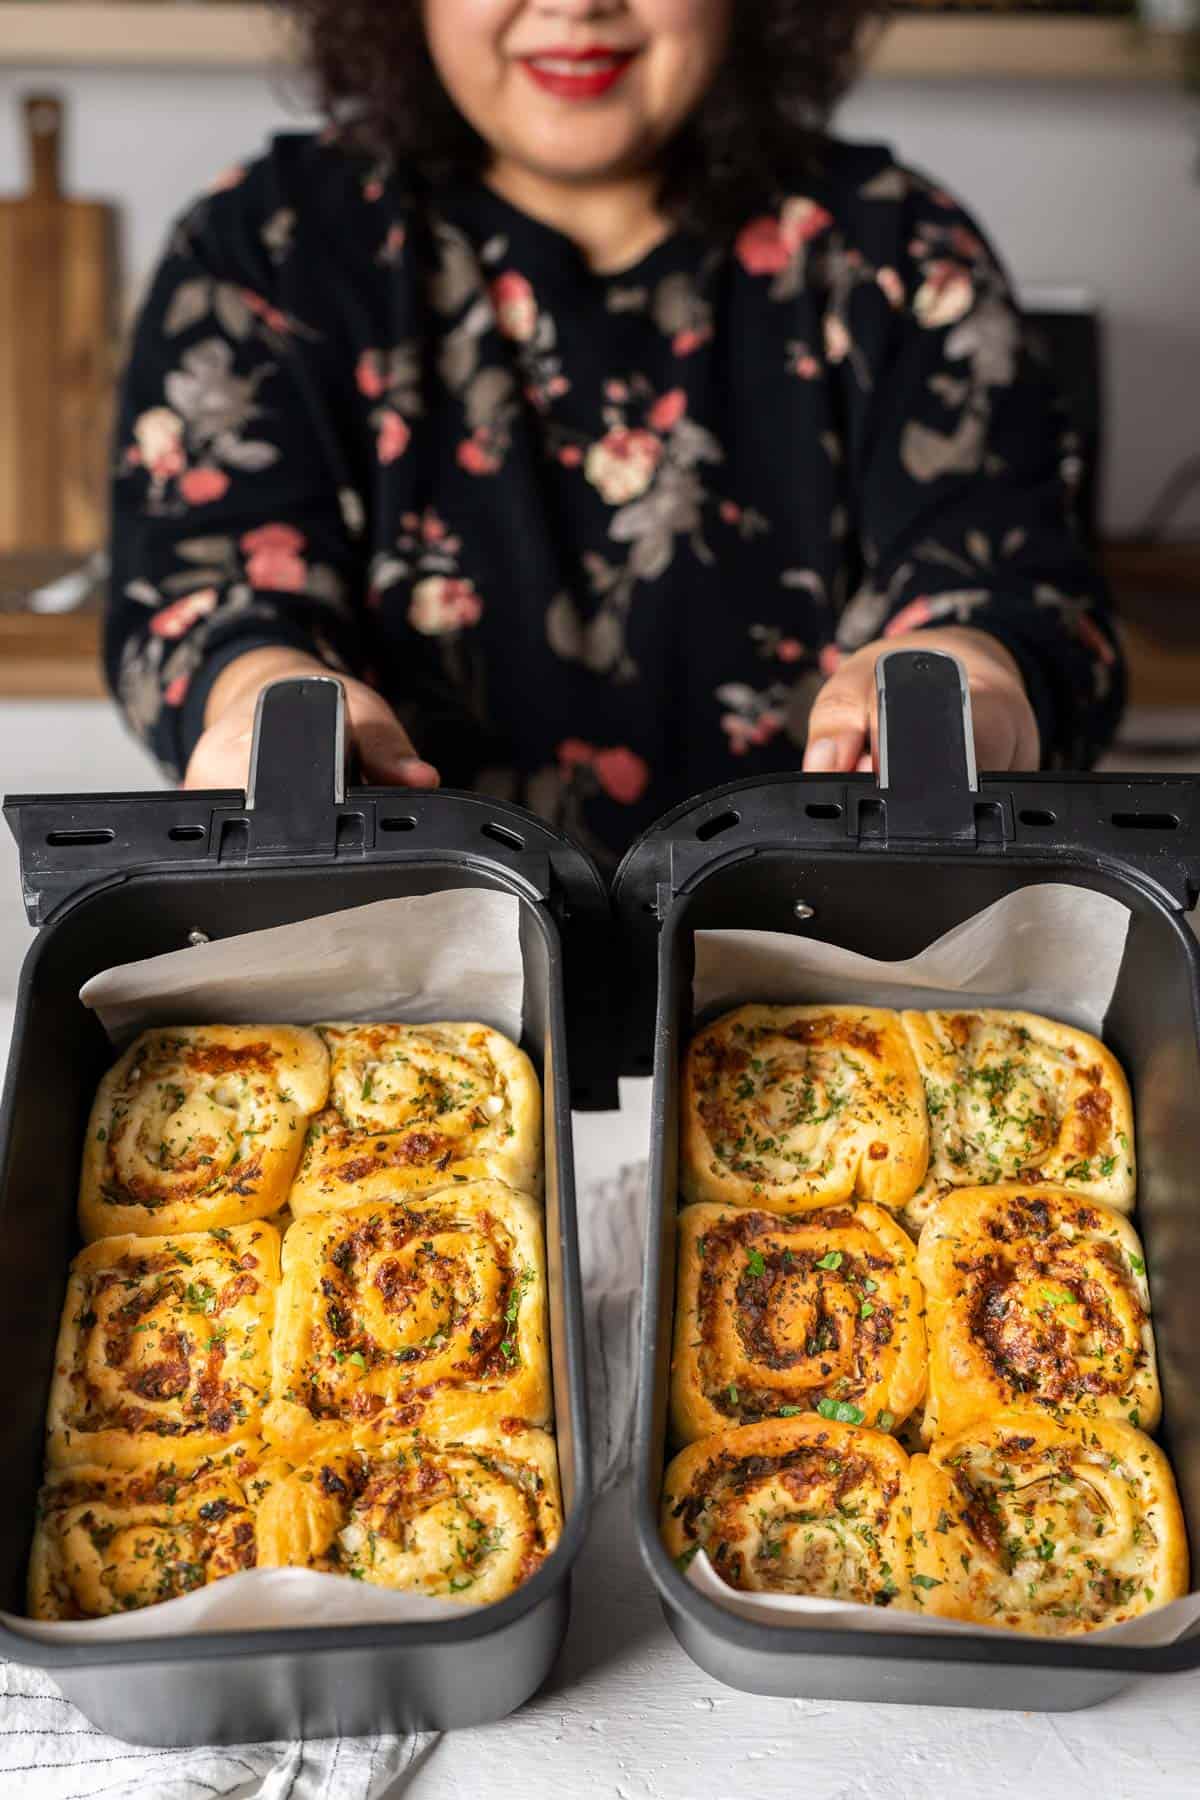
{"x":823,"y":809}
{"x":187,"y":834}
{"x":1037,"y":815}
{"x":1147,"y":821}
{"x":403,"y":822}
{"x":501,"y":834}
{"x":714,"y":827}
{"x":62,"y":840}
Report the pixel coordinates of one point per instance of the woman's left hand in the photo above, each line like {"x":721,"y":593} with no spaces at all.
{"x":843,"y":727}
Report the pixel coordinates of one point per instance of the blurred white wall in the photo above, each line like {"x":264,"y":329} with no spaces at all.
{"x":1091,"y":185}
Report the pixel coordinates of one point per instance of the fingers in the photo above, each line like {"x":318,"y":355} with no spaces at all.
{"x":839,"y":727}
{"x":387,"y":753}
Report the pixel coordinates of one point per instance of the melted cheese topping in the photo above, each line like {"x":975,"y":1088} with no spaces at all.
{"x":793,"y":1107}
{"x":1015,"y":1097}
{"x":1045,"y":1527}
{"x":1038,"y":1300}
{"x":409,"y":1310}
{"x":792,"y":1313}
{"x":164,"y":1345}
{"x":794,"y":1507}
{"x":467,"y":1521}
{"x":424,"y":1103}
{"x":110,"y":1541}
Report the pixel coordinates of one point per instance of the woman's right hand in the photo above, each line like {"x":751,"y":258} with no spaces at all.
{"x":221,"y":758}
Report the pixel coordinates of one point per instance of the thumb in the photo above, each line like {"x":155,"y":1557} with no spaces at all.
{"x":385,"y":749}
{"x":839,"y":726}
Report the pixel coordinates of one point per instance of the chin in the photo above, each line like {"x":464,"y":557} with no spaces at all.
{"x":580,"y":157}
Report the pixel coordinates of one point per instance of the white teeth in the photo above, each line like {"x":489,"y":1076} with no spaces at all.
{"x":554,"y":65}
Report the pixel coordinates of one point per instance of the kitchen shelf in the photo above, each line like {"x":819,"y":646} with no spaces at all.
{"x":56,"y":34}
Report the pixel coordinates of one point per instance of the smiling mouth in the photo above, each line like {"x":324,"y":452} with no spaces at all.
{"x":578,"y":75}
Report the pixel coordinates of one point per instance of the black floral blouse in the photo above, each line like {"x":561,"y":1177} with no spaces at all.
{"x":599,"y":538}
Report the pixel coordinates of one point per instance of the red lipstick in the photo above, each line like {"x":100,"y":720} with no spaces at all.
{"x":585,"y":74}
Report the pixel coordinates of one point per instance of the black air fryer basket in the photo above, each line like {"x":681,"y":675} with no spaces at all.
{"x":113,"y":878}
{"x":884,"y":870}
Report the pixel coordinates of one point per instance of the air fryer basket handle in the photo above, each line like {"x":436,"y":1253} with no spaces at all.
{"x":297,"y":762}
{"x":927,"y":775}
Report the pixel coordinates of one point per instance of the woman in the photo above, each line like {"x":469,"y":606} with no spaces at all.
{"x":597,"y":416}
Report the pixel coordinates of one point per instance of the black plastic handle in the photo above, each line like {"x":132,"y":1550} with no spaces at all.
{"x":297,"y":764}
{"x":927,"y":775}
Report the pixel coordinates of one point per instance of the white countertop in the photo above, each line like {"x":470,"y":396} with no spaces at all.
{"x":626,"y":1714}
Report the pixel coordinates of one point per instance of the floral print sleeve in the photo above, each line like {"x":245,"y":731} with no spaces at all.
{"x":233,"y":524}
{"x":963,"y":470}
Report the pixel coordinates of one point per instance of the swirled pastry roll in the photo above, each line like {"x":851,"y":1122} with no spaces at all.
{"x":468,"y":1518}
{"x":1015,"y":1097}
{"x":1037,"y":1300}
{"x":199,"y":1125}
{"x":788,"y":1107}
{"x":794,"y":1506}
{"x":110,"y":1540}
{"x":410,"y":1310}
{"x":426,"y":1104}
{"x":818,"y":1311}
{"x":164,"y":1347}
{"x":1046,"y":1526}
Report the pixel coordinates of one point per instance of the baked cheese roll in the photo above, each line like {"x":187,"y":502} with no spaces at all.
{"x":199,"y":1125}
{"x":818,"y":1311}
{"x":1038,"y":1300}
{"x":1015,"y":1097}
{"x":410,"y":1310}
{"x":466,"y":1518}
{"x":164,"y":1347}
{"x":111,"y":1540}
{"x":794,"y":1506}
{"x":426,"y":1103}
{"x":1047,"y":1526}
{"x":788,"y":1107}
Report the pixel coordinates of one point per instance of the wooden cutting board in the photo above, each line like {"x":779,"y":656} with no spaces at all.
{"x":56,"y":353}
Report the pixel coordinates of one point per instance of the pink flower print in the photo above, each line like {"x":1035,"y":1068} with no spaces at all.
{"x":369,"y":375}
{"x":1091,"y":636}
{"x":174,"y":620}
{"x":891,"y":286}
{"x":945,"y":295}
{"x":570,"y":456}
{"x":432,"y":529}
{"x":175,"y":692}
{"x":515,"y":306}
{"x":760,"y":247}
{"x":442,"y":603}
{"x":617,"y":392}
{"x":909,"y":618}
{"x":667,"y":410}
{"x":475,"y":457}
{"x":228,"y":178}
{"x":621,"y":465}
{"x":270,"y":315}
{"x":201,"y":487}
{"x":159,"y":435}
{"x":686,"y":342}
{"x":373,"y":190}
{"x":731,"y":512}
{"x":273,"y":558}
{"x":800,"y":221}
{"x":789,"y":650}
{"x":964,"y":243}
{"x":837,"y":339}
{"x":393,"y":244}
{"x":573,"y":751}
{"x":806,"y":366}
{"x":622,"y":774}
{"x":739,"y":731}
{"x":393,"y":436}
{"x":829,"y":660}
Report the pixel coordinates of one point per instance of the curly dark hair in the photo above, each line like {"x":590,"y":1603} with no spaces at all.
{"x":758,"y":127}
